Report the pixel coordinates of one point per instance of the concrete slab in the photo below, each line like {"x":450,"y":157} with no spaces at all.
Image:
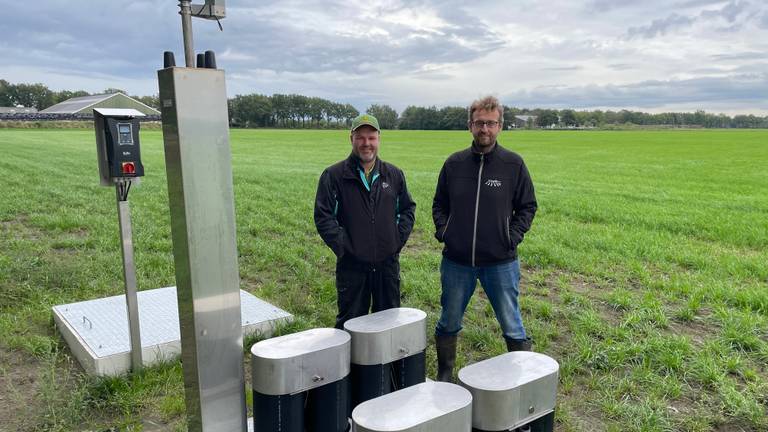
{"x":97,"y":330}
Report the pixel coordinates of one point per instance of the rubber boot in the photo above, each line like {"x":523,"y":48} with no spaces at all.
{"x":518,"y":344}
{"x":446,"y":357}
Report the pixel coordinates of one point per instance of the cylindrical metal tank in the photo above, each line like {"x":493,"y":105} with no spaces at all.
{"x":512,"y":390}
{"x":387,"y":352}
{"x":300,"y":382}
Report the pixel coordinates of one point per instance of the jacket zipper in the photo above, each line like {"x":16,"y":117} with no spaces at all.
{"x":477,"y":206}
{"x":446,"y":226}
{"x":509,"y":237}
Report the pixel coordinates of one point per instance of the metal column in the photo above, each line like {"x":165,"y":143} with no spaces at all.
{"x":200,"y":192}
{"x":129,"y":273}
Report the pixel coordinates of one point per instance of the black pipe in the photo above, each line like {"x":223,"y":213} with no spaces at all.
{"x":210,"y":60}
{"x":283,"y":413}
{"x":168,"y":59}
{"x":409,"y":371}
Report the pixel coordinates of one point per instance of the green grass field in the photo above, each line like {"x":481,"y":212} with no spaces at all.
{"x":645,"y":272}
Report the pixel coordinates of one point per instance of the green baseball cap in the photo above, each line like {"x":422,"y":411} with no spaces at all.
{"x":365,"y":119}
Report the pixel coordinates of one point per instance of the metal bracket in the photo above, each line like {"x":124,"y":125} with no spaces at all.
{"x":212,"y":10}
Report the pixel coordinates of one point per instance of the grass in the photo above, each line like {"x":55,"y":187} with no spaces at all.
{"x":644,"y":275}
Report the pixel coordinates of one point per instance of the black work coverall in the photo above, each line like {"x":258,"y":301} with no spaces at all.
{"x":366,"y":226}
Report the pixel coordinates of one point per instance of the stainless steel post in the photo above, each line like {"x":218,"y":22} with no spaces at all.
{"x":198,"y":163}
{"x":186,"y":29}
{"x":129,"y":274}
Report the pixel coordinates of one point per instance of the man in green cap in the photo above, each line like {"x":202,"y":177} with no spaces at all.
{"x":364,"y":213}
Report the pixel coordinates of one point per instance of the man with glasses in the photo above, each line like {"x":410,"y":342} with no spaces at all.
{"x":364,"y":213}
{"x":483,"y":206}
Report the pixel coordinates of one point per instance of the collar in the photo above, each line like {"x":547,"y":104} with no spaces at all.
{"x":354,"y":165}
{"x":476,"y":153}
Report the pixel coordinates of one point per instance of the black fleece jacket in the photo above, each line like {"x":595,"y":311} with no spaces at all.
{"x":362,"y":225}
{"x":483,"y":206}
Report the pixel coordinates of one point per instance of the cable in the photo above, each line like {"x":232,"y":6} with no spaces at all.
{"x":210,"y":13}
{"x":123,"y":187}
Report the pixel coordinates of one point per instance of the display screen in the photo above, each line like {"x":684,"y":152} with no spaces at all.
{"x":125,"y":135}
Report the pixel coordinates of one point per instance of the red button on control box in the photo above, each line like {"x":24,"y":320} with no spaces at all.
{"x":129,"y":168}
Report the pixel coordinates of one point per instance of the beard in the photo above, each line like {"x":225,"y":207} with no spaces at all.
{"x":485,"y":140}
{"x":366,"y":156}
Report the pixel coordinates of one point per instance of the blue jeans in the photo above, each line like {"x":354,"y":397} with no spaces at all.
{"x":500,"y":283}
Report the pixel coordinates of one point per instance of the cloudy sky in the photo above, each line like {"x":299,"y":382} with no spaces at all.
{"x":652,"y":55}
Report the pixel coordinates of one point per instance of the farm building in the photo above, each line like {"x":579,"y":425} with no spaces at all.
{"x":84,"y":105}
{"x":521,"y":121}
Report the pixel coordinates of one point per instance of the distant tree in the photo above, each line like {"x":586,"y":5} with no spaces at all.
{"x":315,"y":107}
{"x":510,"y":113}
{"x":410,"y":118}
{"x":546,"y":118}
{"x":611,"y":117}
{"x":5,"y":93}
{"x":568,"y":117}
{"x":349,"y":112}
{"x":66,"y":95}
{"x":453,"y":118}
{"x":414,"y":117}
{"x":31,"y":95}
{"x":582,"y":118}
{"x":112,"y":90}
{"x":597,"y":117}
{"x":280,"y":109}
{"x":152,"y":101}
{"x":337,"y":111}
{"x":252,"y":110}
{"x":385,"y":114}
{"x":327,"y":111}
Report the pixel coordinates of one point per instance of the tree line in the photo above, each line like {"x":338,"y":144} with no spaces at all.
{"x":40,"y":97}
{"x":299,"y":111}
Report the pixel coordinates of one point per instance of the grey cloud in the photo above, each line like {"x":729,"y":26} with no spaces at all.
{"x":603,"y":5}
{"x":620,"y":66}
{"x":736,"y":13}
{"x":108,"y":39}
{"x":403,"y":50}
{"x":115,"y":40}
{"x":564,"y":68}
{"x":740,"y":89}
{"x":749,"y":55}
{"x":697,"y":3}
{"x":579,"y":50}
{"x":660,"y":26}
{"x":763,"y":22}
{"x":729,"y":12}
{"x":608,"y":5}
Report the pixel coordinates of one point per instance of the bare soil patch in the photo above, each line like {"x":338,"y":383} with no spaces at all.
{"x":18,"y":390}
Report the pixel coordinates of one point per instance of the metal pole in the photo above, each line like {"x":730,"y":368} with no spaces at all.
{"x":129,"y":273}
{"x":186,"y":29}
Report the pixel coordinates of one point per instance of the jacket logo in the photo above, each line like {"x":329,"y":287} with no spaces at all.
{"x":493,"y":183}
{"x":384,"y":185}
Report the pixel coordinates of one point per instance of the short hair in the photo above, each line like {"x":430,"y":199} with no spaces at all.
{"x":488,"y":103}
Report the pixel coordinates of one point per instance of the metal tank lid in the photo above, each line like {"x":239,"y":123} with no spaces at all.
{"x":508,"y":370}
{"x":384,"y":320}
{"x":301,"y":361}
{"x":298,"y":344}
{"x":410,"y":407}
{"x":387,"y":336}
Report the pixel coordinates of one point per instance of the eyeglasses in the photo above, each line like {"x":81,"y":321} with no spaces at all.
{"x":480,"y":123}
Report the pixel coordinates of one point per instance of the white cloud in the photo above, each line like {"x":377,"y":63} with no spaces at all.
{"x":607,"y":53}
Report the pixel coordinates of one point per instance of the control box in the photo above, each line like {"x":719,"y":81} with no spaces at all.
{"x":117,"y":144}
